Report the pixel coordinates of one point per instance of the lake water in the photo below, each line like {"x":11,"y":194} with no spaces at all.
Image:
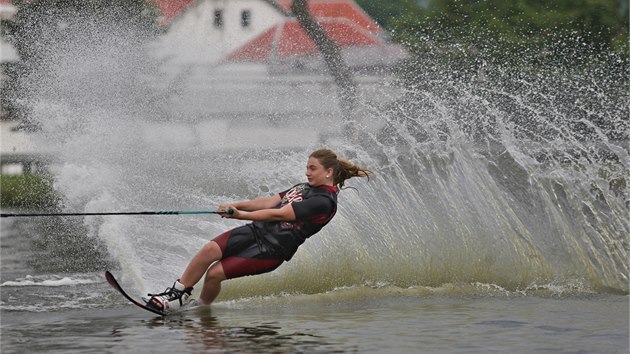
{"x":80,"y":313}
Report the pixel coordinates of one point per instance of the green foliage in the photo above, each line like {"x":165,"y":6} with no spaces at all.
{"x":595,"y":20}
{"x":385,"y":12}
{"x":27,"y":191}
{"x":508,"y":26}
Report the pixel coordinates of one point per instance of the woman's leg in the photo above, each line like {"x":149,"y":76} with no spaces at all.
{"x":241,"y":250}
{"x":230,"y":268}
{"x":209,"y":253}
{"x":212,"y":283}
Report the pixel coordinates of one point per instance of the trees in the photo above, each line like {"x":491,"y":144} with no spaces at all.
{"x":385,"y":12}
{"x":518,"y":58}
{"x":597,"y":24}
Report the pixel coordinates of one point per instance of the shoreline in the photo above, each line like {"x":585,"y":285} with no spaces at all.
{"x":27,"y":191}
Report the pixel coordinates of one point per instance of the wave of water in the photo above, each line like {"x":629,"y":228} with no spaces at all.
{"x":512,"y":177}
{"x":49,"y":280}
{"x":32,"y":293}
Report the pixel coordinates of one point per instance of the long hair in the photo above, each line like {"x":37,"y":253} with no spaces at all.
{"x":342,"y":169}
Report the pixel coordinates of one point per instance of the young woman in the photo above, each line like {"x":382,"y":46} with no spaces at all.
{"x":281,"y":223}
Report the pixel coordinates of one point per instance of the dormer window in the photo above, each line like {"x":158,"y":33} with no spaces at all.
{"x":218,"y":18}
{"x":246,"y":18}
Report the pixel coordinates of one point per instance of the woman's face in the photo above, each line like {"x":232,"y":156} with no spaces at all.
{"x":316,"y":174}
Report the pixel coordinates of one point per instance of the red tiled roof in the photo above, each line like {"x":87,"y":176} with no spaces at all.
{"x":343,"y":20}
{"x":338,"y":8}
{"x":289,"y":39}
{"x":170,"y":8}
{"x":257,"y":49}
{"x":319,"y":9}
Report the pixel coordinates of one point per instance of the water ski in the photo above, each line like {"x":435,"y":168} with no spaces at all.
{"x":142,"y":304}
{"x":114,"y":283}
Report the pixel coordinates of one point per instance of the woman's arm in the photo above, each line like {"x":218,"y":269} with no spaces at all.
{"x":252,"y":205}
{"x":285,"y":213}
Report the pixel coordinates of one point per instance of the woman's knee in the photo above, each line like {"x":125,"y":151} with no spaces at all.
{"x":212,"y":250}
{"x":215,"y":273}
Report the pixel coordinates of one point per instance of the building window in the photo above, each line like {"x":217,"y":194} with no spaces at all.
{"x":218,"y":18}
{"x":246,"y":18}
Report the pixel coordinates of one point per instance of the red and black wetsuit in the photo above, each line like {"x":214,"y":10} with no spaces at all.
{"x":261,"y":247}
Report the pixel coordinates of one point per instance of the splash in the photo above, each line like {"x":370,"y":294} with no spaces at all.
{"x":514,"y":177}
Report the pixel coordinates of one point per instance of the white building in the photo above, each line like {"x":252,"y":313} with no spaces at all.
{"x":247,"y":66}
{"x":206,"y":31}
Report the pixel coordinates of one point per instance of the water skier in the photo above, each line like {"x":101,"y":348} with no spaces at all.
{"x":281,"y":223}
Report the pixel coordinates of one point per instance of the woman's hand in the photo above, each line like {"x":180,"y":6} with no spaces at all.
{"x":228,"y":211}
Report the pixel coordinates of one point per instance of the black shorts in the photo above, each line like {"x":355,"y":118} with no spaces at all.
{"x":244,"y":254}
